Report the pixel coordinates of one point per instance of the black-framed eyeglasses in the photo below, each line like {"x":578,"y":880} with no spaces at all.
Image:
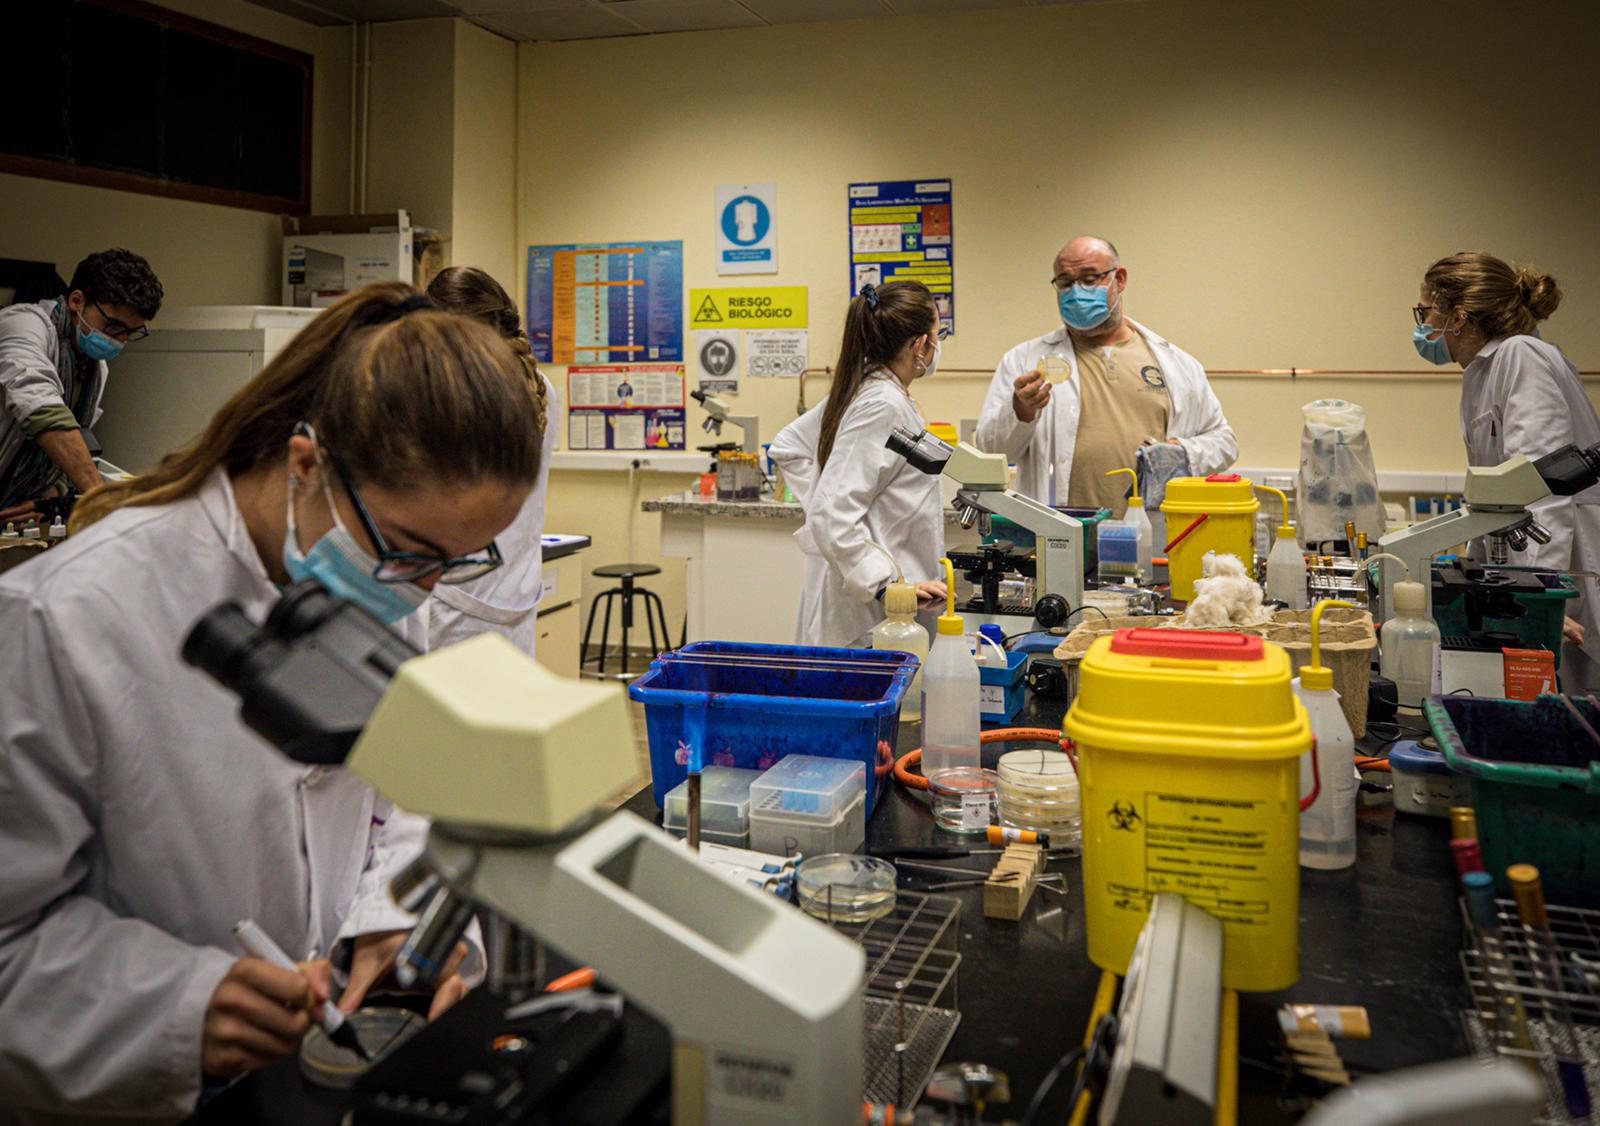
{"x":1064,"y":283}
{"x":944,"y":332}
{"x":1420,"y":313}
{"x":410,"y":566}
{"x":119,"y":331}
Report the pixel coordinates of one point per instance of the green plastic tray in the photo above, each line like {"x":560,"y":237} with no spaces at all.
{"x":1535,"y":785}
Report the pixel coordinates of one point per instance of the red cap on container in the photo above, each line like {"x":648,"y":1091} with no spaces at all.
{"x":1225,"y":478}
{"x":1188,"y":644}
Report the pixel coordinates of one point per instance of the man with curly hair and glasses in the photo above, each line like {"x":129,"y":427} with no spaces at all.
{"x":53,"y":357}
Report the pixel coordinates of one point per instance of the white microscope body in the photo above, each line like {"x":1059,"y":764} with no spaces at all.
{"x":511,"y":762}
{"x":1497,"y":500}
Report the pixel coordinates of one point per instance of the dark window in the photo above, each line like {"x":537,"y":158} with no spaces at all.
{"x":123,"y":94}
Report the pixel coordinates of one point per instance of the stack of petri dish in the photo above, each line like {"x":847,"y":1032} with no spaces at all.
{"x":1038,"y":790}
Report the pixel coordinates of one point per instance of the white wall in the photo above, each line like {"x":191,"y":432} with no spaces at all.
{"x":204,"y":254}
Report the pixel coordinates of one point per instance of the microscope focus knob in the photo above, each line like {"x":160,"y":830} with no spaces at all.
{"x":1051,"y":611}
{"x":1537,"y":532}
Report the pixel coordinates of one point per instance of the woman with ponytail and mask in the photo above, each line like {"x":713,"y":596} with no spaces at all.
{"x":1520,"y":395}
{"x":864,"y":503}
{"x":505,"y":600}
{"x":380,"y":453}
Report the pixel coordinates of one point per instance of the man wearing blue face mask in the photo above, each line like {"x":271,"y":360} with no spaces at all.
{"x":53,"y":371}
{"x":1124,"y":387}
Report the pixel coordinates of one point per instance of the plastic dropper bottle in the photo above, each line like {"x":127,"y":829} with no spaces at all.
{"x":57,"y":532}
{"x":1328,"y":826}
{"x":950,"y":719}
{"x":1140,"y":520}
{"x":901,"y":632}
{"x":1286,"y":562}
{"x":1410,"y":646}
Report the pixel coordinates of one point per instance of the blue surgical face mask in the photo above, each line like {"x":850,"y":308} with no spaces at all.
{"x":94,"y":343}
{"x":1434,"y":350}
{"x":340,"y":564}
{"x":1084,"y":307}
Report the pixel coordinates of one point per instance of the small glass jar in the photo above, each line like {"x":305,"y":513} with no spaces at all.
{"x":963,"y":799}
{"x":1038,"y":790}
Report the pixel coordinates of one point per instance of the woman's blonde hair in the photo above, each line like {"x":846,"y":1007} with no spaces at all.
{"x":406,"y":394}
{"x":1501,"y":299}
{"x":473,"y":293}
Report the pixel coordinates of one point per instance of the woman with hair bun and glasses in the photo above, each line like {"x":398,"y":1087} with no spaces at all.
{"x":380,"y":453}
{"x":1520,"y":395}
{"x":506,"y":600}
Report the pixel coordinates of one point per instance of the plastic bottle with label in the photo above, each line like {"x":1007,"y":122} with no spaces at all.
{"x":1410,"y":646}
{"x":950,"y":720}
{"x":901,"y":632}
{"x":1328,"y":825}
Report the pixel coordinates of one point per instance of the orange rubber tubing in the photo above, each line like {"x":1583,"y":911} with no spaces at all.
{"x":903,"y":765}
{"x":577,"y":979}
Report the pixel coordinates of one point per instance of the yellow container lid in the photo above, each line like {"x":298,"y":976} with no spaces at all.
{"x":1220,"y":494}
{"x":1188,"y":692}
{"x":944,"y":431}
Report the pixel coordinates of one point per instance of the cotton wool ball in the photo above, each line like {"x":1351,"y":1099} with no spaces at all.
{"x":1226,"y":595}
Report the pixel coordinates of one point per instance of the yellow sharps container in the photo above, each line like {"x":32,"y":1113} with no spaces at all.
{"x":1215,"y":513}
{"x":1188,"y":748}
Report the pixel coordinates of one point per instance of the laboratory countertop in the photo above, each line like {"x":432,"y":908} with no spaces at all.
{"x":552,"y":547}
{"x":693,"y":504}
{"x":1383,"y":934}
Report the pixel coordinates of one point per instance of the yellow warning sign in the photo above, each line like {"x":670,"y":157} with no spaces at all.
{"x":774,"y":306}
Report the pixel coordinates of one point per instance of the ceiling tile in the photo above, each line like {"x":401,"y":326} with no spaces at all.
{"x":499,"y":7}
{"x":684,"y":15}
{"x":323,"y":13}
{"x":934,"y":7}
{"x":584,"y":22}
{"x":810,"y":11}
{"x":383,"y":10}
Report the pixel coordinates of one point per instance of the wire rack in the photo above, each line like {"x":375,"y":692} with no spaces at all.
{"x":1514,"y":982}
{"x":912,"y":1006}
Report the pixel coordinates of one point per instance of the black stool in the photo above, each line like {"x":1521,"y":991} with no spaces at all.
{"x":654,"y":612}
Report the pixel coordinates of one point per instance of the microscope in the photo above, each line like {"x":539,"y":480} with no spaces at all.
{"x":1496,"y":506}
{"x":1056,"y":563}
{"x":717,"y":414}
{"x":513,"y":764}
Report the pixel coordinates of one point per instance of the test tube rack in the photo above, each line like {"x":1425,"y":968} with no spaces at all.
{"x":1577,"y":944}
{"x":911,"y":1005}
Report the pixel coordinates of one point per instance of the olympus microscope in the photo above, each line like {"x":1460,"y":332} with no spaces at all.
{"x":1496,"y":506}
{"x":717,"y":414}
{"x":1057,"y":564}
{"x":513,"y":764}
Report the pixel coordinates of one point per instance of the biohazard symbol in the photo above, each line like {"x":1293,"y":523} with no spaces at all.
{"x":708,"y":313}
{"x":1123,"y":816}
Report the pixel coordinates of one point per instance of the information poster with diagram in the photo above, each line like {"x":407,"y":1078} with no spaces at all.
{"x":625,"y":407}
{"x":902,"y":229}
{"x":597,"y":303}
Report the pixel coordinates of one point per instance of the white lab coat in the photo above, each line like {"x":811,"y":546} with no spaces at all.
{"x":1195,"y":419}
{"x":139,"y":819}
{"x":505,"y":600}
{"x":866,"y":492}
{"x":1521,"y":395}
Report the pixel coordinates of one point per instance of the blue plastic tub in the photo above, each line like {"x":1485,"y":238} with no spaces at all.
{"x":1000,"y":694}
{"x":751,"y":705}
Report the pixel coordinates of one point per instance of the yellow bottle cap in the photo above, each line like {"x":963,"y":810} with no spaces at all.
{"x":1134,"y":477}
{"x":1286,"y":529}
{"x":1316,"y":676}
{"x":950,"y":622}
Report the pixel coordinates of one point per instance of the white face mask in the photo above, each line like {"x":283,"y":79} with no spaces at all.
{"x":933,"y":364}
